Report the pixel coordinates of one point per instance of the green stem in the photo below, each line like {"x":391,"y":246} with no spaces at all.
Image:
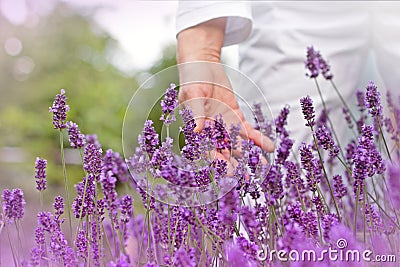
{"x":343,"y":101}
{"x":356,"y":209}
{"x":142,"y":238}
{"x":328,"y":118}
{"x":384,"y":212}
{"x":11,"y":246}
{"x":326,"y":176}
{"x":41,"y":200}
{"x":68,"y":202}
{"x":384,"y":139}
{"x":345,"y":165}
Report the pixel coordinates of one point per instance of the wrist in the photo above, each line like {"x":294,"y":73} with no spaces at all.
{"x":202,"y":42}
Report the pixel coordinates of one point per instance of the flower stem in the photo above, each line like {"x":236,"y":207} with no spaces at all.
{"x":68,"y":204}
{"x":11,"y":245}
{"x":326,"y":176}
{"x":384,"y":139}
{"x":343,"y":101}
{"x":383,"y":210}
{"x":328,"y":118}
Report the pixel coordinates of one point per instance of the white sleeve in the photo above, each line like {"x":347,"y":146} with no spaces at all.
{"x":239,"y":20}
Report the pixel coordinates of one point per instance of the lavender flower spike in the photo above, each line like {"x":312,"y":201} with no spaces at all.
{"x":324,"y":138}
{"x":325,"y":68}
{"x":40,"y":170}
{"x":373,"y":101}
{"x":168,"y":104}
{"x":312,"y":63}
{"x":308,"y":110}
{"x":13,"y":204}
{"x":76,"y":138}
{"x":59,"y":110}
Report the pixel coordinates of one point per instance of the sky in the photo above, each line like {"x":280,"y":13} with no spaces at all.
{"x":142,"y":28}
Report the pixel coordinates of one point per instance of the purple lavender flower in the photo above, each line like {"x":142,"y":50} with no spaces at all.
{"x":92,"y":160}
{"x":311,"y":165}
{"x":108,"y":185}
{"x":62,"y":253}
{"x":92,"y":139}
{"x":38,"y":252}
{"x":168,"y":104}
{"x":373,"y":219}
{"x":58,"y":206}
{"x":328,"y":221}
{"x":319,"y":206}
{"x":250,"y":249}
{"x":325,"y":140}
{"x":360,"y":100}
{"x":254,"y":159}
{"x":148,"y":140}
{"x":395,"y":133}
{"x":220,"y":167}
{"x":324,"y":67}
{"x":59,"y":110}
{"x":100,"y":209}
{"x":151,"y":264}
{"x":45,"y":221}
{"x":220,"y":135}
{"x":113,"y":162}
{"x":284,"y":150}
{"x":281,"y":122}
{"x":394,"y":184}
{"x":39,"y":236}
{"x":258,"y":116}
{"x":373,"y":101}
{"x":367,"y":160}
{"x":295,"y":212}
{"x":234,"y":136}
{"x":309,"y":224}
{"x":272,"y":184}
{"x":126,"y":208}
{"x":76,"y":138}
{"x":308,"y":110}
{"x":229,"y":208}
{"x":84,"y":202}
{"x":40,"y":170}
{"x":185,"y":258}
{"x":347,"y":117}
{"x":339,"y":189}
{"x":306,"y":157}
{"x":293,"y":176}
{"x":81,"y":244}
{"x":191,"y":151}
{"x":94,"y":244}
{"x":13,"y":204}
{"x":36,"y":256}
{"x":235,"y":256}
{"x":312,"y":62}
{"x":123,"y":261}
{"x":350,"y":150}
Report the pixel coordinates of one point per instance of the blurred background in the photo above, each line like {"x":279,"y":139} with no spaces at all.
{"x":99,"y":51}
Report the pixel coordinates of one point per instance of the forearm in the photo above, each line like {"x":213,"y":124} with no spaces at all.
{"x":202,"y":42}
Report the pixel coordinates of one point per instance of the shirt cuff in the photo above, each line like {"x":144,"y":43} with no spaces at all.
{"x":238,"y":14}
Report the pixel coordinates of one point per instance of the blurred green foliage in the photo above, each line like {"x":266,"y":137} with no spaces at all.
{"x":68,"y":51}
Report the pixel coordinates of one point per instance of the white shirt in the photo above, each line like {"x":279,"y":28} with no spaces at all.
{"x":273,"y":37}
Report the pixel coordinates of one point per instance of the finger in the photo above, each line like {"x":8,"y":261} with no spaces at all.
{"x":239,"y":153}
{"x":258,"y":138}
{"x":194,"y":96}
{"x":232,"y":163}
